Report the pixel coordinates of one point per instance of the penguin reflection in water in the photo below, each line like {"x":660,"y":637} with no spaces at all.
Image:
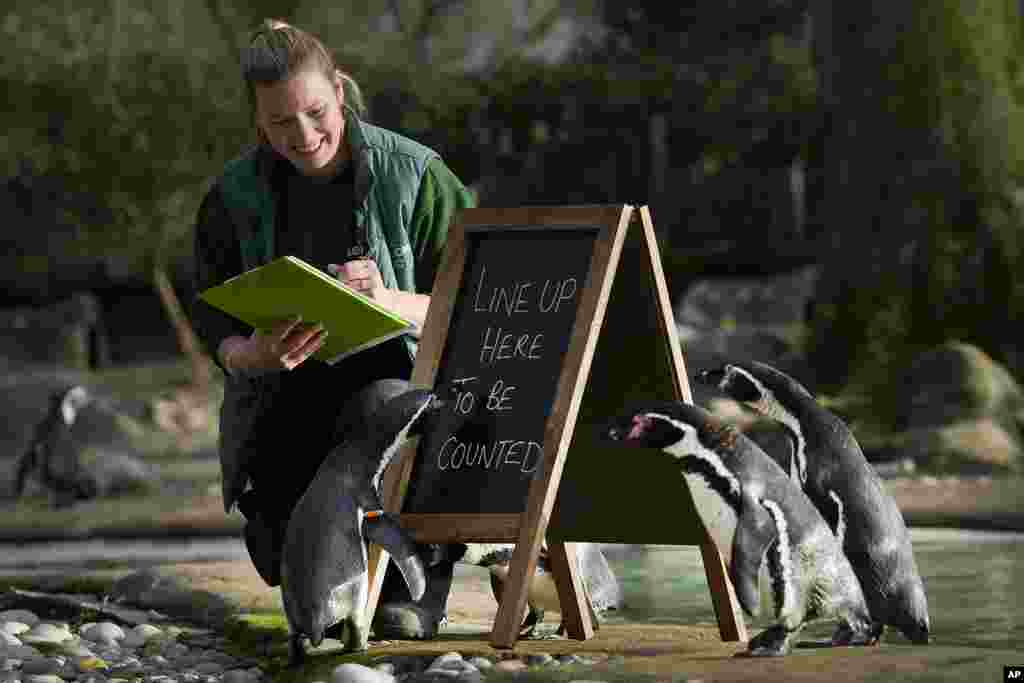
{"x":324,"y":581}
{"x":828,"y":463}
{"x":754,"y":513}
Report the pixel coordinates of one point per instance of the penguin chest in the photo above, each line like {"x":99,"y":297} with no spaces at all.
{"x":716,"y":513}
{"x":347,"y":600}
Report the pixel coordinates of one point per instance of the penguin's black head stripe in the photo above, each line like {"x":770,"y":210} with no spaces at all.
{"x":725,"y":488}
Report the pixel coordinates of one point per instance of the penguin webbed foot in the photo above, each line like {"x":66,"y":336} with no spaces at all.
{"x":774,"y":641}
{"x":847,"y":636}
{"x":296,"y":652}
{"x":533,"y":617}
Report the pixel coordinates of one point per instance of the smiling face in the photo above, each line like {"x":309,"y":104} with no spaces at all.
{"x":301,"y":117}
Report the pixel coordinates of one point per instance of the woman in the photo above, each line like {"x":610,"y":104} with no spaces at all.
{"x":357,"y":201}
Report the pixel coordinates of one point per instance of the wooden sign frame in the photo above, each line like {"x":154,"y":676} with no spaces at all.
{"x":528,"y":528}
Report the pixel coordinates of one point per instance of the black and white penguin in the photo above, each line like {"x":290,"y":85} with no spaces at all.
{"x":832,"y":469}
{"x":52,"y":456}
{"x":754,"y":512}
{"x":604,"y":593}
{"x":324,"y":578}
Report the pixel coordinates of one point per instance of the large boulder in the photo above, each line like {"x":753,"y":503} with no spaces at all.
{"x":737,"y":319}
{"x":960,"y":410}
{"x":67,"y":334}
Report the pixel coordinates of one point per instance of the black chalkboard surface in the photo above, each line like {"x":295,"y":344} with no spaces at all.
{"x":508,"y":336}
{"x":515,"y":319}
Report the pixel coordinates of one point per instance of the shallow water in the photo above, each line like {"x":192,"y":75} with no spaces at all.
{"x":974,"y":582}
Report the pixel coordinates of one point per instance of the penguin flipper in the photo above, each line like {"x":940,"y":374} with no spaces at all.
{"x":755,"y":533}
{"x":385,"y":532}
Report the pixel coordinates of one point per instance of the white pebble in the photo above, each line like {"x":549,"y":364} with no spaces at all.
{"x":103,"y":632}
{"x":481,"y":662}
{"x":357,"y":673}
{"x":45,"y":632}
{"x":147,"y":631}
{"x":13,"y":627}
{"x":132,"y":639}
{"x":509,"y":665}
{"x":22,"y":616}
{"x":42,"y":678}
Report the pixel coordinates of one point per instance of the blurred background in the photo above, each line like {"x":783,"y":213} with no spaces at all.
{"x":836,"y":189}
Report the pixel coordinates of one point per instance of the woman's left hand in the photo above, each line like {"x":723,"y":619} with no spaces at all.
{"x":363,"y":276}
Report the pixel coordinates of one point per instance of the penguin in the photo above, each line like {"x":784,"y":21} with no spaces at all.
{"x":604,"y":593}
{"x":324,"y":580}
{"x":756,"y":516}
{"x":830,"y":466}
{"x":53,"y":456}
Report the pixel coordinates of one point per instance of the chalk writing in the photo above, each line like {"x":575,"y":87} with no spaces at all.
{"x":510,"y":327}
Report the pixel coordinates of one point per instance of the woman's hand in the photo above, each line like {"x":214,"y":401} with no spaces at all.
{"x":363,"y":276}
{"x":284,"y":346}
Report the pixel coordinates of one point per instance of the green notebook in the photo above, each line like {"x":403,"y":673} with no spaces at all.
{"x":289,"y":286}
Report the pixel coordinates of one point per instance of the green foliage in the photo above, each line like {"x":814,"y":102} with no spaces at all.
{"x":928,"y":224}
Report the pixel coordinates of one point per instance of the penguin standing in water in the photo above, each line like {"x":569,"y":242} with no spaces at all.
{"x":604,"y":593}
{"x":754,"y":512}
{"x":838,"y":479}
{"x":324,"y":581}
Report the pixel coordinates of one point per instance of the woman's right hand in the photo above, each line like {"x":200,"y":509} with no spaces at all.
{"x":285,"y":345}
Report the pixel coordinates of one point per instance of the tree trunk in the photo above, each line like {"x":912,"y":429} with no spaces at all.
{"x":187,"y":339}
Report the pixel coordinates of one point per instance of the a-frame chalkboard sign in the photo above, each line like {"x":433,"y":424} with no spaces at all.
{"x":546,"y":319}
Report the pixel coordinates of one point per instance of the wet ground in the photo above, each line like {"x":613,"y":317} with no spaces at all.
{"x":972,"y":578}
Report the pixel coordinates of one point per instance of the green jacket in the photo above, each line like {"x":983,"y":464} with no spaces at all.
{"x":405,"y":198}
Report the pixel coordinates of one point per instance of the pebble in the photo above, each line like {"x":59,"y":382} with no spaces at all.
{"x":46,"y":633}
{"x":104,"y":652}
{"x":21,"y":616}
{"x":13,"y":627}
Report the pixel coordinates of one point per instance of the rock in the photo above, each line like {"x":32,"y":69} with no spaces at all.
{"x":13,"y":627}
{"x":357,"y":673}
{"x":43,"y":665}
{"x":68,"y":333}
{"x":147,"y":632}
{"x":957,"y":382}
{"x":42,"y":678}
{"x":104,"y":632}
{"x":46,"y":633}
{"x":18,"y":652}
{"x":539,"y":659}
{"x":969,"y":447}
{"x":164,"y":590}
{"x":19,"y":616}
{"x":509,"y":665}
{"x":481,"y":663}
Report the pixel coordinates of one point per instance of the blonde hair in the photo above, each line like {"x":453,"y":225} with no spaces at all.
{"x":277,"y":50}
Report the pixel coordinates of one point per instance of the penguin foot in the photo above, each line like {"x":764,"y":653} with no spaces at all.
{"x":533,"y":618}
{"x":847,"y":636}
{"x":296,"y":653}
{"x":406,"y":621}
{"x":774,"y":641}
